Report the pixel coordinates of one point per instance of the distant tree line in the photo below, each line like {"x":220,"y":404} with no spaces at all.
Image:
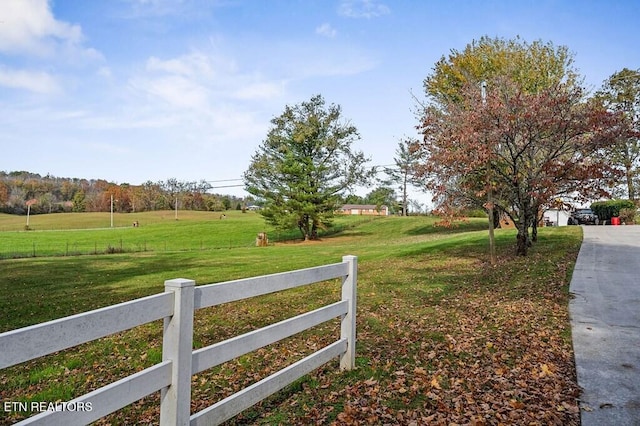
{"x":51,"y":194}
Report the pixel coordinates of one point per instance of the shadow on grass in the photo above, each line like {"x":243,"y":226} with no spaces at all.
{"x":465,"y":245}
{"x":351,"y":233}
{"x":51,"y":288}
{"x":473,"y":225}
{"x":43,"y":289}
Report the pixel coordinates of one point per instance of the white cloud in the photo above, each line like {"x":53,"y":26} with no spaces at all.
{"x":104,"y":72}
{"x":363,"y":9}
{"x":33,"y":81}
{"x":28,"y":26}
{"x":202,"y":98}
{"x":176,"y":10}
{"x":182,"y":82}
{"x":326,"y":30}
{"x":156,"y":7}
{"x":102,"y":148}
{"x":130,"y":119}
{"x":177,"y":91}
{"x":330,"y":62}
{"x":259,"y":90}
{"x":200,"y":80}
{"x":195,"y":64}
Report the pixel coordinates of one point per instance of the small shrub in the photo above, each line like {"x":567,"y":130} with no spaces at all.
{"x":628,"y":216}
{"x":474,"y":213}
{"x":605,"y":210}
{"x":113,"y":250}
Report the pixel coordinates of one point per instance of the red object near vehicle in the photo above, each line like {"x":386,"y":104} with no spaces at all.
{"x":615,"y":221}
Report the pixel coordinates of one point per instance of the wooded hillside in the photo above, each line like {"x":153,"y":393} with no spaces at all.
{"x":51,"y":194}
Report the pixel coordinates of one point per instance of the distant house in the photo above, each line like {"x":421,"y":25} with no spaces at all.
{"x":364,"y":209}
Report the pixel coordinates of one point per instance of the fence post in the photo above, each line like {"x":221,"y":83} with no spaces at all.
{"x":348,"y":326}
{"x":177,"y":346}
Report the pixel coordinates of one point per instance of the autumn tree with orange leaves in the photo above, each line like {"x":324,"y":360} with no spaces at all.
{"x":533,"y":137}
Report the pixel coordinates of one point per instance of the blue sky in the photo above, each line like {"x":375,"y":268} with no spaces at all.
{"x":137,"y":90}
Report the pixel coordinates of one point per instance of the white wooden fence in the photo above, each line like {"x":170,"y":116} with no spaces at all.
{"x":172,"y":376}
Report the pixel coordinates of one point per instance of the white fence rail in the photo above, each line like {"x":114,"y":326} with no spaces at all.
{"x":172,"y":376}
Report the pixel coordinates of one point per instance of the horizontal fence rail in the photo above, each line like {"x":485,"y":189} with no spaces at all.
{"x":31,"y":342}
{"x":230,"y":291}
{"x":227,"y":350}
{"x":172,"y":376}
{"x":236,"y":403}
{"x":102,"y":401}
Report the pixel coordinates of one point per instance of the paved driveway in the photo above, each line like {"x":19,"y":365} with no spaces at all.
{"x":605,"y":323}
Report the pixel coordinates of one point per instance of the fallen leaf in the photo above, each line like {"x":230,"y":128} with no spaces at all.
{"x":435,"y":383}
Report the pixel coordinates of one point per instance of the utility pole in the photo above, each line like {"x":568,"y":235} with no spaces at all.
{"x":492,"y":241}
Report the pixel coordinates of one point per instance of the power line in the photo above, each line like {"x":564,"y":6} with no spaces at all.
{"x":226,"y":186}
{"x":223,"y":180}
{"x":241,"y":180}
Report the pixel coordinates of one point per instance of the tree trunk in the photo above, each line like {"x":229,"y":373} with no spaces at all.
{"x":630,"y":186}
{"x":530,"y":218}
{"x":521,"y":239}
{"x":496,"y":218}
{"x":404,"y":197}
{"x":303,"y":225}
{"x":534,"y":230}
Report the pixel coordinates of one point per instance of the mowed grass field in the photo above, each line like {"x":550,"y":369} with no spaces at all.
{"x":91,"y":233}
{"x":442,"y":336}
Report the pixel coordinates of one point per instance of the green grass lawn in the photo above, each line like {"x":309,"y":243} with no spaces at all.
{"x":90,"y":233}
{"x":77,"y":233}
{"x":442,"y":336}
